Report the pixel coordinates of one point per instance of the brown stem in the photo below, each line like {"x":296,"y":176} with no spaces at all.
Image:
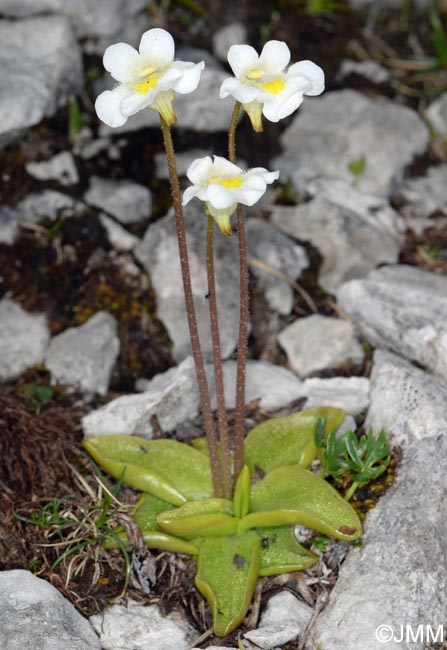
{"x":239,"y":415}
{"x":216,"y":469}
{"x":218,"y":371}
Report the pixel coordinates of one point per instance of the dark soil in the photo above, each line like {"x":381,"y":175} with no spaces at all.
{"x":68,"y":270}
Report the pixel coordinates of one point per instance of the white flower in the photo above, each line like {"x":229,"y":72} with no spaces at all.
{"x":263,"y":85}
{"x":147,"y":78}
{"x":223,"y":185}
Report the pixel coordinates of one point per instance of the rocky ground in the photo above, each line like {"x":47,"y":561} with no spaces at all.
{"x":348,"y":290}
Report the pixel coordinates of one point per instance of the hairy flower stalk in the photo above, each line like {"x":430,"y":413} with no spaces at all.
{"x":239,"y":415}
{"x":224,"y":437}
{"x":210,"y":432}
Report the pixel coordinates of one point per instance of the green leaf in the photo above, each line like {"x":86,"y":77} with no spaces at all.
{"x":147,"y":510}
{"x":227,"y":570}
{"x":241,"y":499}
{"x":293,"y":495}
{"x":280,"y":551}
{"x":357,"y":168}
{"x":205,"y":518}
{"x":288,"y":440}
{"x":170,"y":470}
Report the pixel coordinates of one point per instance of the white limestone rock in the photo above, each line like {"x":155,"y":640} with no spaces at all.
{"x":403,"y":309}
{"x":342,"y":127}
{"x":318,"y":342}
{"x":41,"y":66}
{"x":368,"y":69}
{"x":158,"y":252}
{"x":142,"y":627}
{"x":348,"y":393}
{"x":60,"y":167}
{"x":172,"y":396}
{"x":48,"y":204}
{"x":228,"y":35}
{"x":9,"y":225}
{"x":268,"y":245}
{"x":406,"y":401}
{"x":354,"y":232}
{"x":120,"y":238}
{"x":88,"y":17}
{"x":23,"y":339}
{"x":125,"y":200}
{"x":182,"y":161}
{"x":398,"y":577}
{"x":284,"y":618}
{"x":33,"y":614}
{"x":423,"y":196}
{"x":437,"y":114}
{"x":273,"y":385}
{"x":83,"y":357}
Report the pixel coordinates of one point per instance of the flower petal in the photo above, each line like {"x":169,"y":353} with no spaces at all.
{"x":249,"y":196}
{"x":168,"y":81}
{"x":224,"y":168}
{"x":310,"y":71}
{"x":108,"y":106}
{"x":157,"y":46}
{"x":194,"y":191}
{"x":200,"y":170}
{"x":275,"y":56}
{"x":135,"y":102}
{"x":267,"y":177}
{"x":221,"y":197}
{"x":122,"y":61}
{"x":275,"y":110}
{"x":190,"y":78}
{"x":241,"y":57}
{"x":240,"y":91}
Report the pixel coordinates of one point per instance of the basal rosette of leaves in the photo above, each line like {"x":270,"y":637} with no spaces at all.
{"x":237,"y":541}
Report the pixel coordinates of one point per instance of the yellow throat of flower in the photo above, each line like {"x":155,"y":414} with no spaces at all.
{"x":273,"y":87}
{"x":229,"y":183}
{"x":150,"y":80}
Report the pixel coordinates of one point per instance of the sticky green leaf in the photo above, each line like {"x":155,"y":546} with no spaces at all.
{"x":170,"y":470}
{"x":280,"y":551}
{"x":227,"y":570}
{"x":241,"y":499}
{"x":147,"y":510}
{"x":288,"y":440}
{"x":293,"y":495}
{"x":207,"y":518}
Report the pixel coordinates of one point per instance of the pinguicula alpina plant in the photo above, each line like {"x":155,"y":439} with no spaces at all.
{"x":228,"y":499}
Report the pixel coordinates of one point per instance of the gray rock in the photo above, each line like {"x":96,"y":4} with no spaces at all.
{"x":60,"y":167}
{"x":318,"y":342}
{"x":353,"y":232}
{"x":339,"y":128}
{"x":41,"y":67}
{"x":420,"y":397}
{"x":23,"y":339}
{"x":142,"y":627}
{"x":33,"y":614}
{"x":182,"y":160}
{"x":9,"y":224}
{"x":158,"y":252}
{"x":125,"y":200}
{"x":437,"y":114}
{"x":399,"y":577}
{"x":348,"y":393}
{"x":403,"y":309}
{"x":269,"y":246}
{"x":48,"y":205}
{"x":83,"y":357}
{"x":423,"y":196}
{"x":273,"y":385}
{"x":231,"y":34}
{"x":89,"y":17}
{"x":369,"y":69}
{"x":215,"y":114}
{"x":172,"y":396}
{"x":284,"y":618}
{"x":120,"y":238}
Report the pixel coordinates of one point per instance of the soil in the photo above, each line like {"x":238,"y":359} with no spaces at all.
{"x":66,"y":270}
